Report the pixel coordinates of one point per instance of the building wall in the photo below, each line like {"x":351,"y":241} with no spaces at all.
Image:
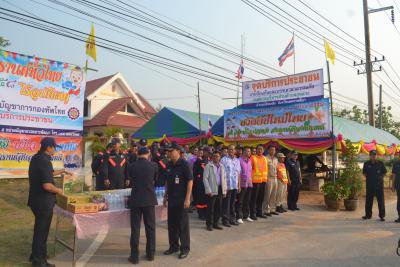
{"x":104,"y":97}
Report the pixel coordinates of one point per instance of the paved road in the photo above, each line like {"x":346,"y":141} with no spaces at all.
{"x":310,"y":237}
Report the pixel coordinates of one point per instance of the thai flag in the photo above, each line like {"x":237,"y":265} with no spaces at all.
{"x":240,"y":70}
{"x":209,"y":124}
{"x":289,"y":51}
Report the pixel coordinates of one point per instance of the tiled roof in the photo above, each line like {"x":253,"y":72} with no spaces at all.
{"x":93,"y":85}
{"x":126,"y":121}
{"x":147,"y":107}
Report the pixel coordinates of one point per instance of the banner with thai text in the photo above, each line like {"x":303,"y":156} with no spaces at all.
{"x":39,"y":95}
{"x":290,"y":89}
{"x":304,"y":120}
{"x":38,"y":98}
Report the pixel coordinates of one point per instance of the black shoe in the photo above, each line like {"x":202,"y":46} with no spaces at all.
{"x":274,"y":213}
{"x":366,"y":217}
{"x":183,"y":254}
{"x":170,"y":251}
{"x":279,"y":209}
{"x":234,"y":223}
{"x":50,"y":264}
{"x":226,"y":224}
{"x":218,"y":227}
{"x":397,"y":221}
{"x":254,"y":218}
{"x":382,"y":219}
{"x":150,"y":257}
{"x":209,"y":228}
{"x":296,"y":208}
{"x":268,"y":214}
{"x":263,"y":216}
{"x":284,"y":210}
{"x":133,"y":260}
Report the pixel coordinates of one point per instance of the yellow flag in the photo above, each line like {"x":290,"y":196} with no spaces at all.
{"x":91,"y":44}
{"x":329,"y":52}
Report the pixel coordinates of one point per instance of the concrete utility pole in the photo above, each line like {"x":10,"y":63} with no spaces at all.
{"x":380,"y":106}
{"x":368,"y":66}
{"x":198,"y":103}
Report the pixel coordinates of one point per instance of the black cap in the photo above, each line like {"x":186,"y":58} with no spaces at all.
{"x":48,"y":142}
{"x":373,"y":152}
{"x":115,"y":141}
{"x":174,"y":146}
{"x":133,"y":143}
{"x":294,"y":152}
{"x":143,"y":151}
{"x":143,"y":142}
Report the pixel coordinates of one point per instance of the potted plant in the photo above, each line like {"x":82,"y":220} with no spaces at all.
{"x":351,"y":177}
{"x":334,"y":193}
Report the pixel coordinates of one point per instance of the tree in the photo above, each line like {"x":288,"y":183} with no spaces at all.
{"x":360,"y":115}
{"x":99,"y":143}
{"x":4,"y":42}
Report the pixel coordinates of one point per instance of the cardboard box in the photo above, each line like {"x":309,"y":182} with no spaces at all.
{"x":83,"y":208}
{"x":64,"y":201}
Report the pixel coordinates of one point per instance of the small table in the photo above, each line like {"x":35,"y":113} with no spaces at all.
{"x":89,"y":224}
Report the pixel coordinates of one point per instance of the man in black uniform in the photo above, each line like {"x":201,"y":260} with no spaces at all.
{"x":159,"y":157}
{"x":42,"y":197}
{"x":396,"y":185}
{"x":374,"y":171}
{"x":295,"y":180}
{"x":115,"y":168}
{"x":98,"y":167}
{"x":179,"y":188}
{"x":143,"y":175}
{"x":199,"y":194}
{"x":132,"y":153}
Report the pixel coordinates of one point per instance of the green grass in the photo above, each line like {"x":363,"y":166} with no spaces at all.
{"x":16,"y":224}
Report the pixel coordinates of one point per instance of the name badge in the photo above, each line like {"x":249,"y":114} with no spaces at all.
{"x":176,"y":180}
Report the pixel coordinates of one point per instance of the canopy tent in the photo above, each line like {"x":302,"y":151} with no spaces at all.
{"x":364,"y":137}
{"x":175,"y":123}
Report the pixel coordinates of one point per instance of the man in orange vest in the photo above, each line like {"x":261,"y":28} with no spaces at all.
{"x":259,"y":178}
{"x":282,"y":183}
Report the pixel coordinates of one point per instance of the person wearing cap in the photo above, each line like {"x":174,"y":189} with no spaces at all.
{"x":282,"y":181}
{"x":232,"y":170}
{"x":396,"y":184}
{"x":374,"y":170}
{"x":199,"y":195}
{"x":143,"y":176}
{"x":295,"y":180}
{"x":177,"y":199}
{"x":133,"y":152}
{"x":98,"y":167}
{"x":115,"y":167}
{"x":142,"y":142}
{"x":271,"y":184}
{"x":42,"y":198}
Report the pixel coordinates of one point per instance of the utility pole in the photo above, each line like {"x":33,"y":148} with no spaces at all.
{"x":198,"y":103}
{"x":380,"y":106}
{"x":368,"y":65}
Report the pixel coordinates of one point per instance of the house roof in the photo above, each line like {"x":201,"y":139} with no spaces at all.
{"x":108,"y":116}
{"x":147,"y":107}
{"x":93,"y":85}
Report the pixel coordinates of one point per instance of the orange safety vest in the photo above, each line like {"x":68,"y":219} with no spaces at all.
{"x":281,"y":172}
{"x":259,"y":169}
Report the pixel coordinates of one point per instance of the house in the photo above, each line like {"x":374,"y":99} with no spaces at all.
{"x":111,"y":102}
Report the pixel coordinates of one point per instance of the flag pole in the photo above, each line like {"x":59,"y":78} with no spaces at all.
{"x":294,"y":56}
{"x":332,"y":134}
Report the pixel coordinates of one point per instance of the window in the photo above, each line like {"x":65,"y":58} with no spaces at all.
{"x":86,"y":108}
{"x":129,"y":109}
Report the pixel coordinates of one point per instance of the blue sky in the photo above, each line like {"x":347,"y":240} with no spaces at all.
{"x":225,"y":21}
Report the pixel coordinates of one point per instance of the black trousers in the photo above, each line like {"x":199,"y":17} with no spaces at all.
{"x":40,"y":233}
{"x":149,"y":218}
{"x":178,"y":228}
{"x":214,"y":209}
{"x":117,"y":183}
{"x":257,"y":198}
{"x":200,"y":197}
{"x":293,"y":195}
{"x":398,"y":201}
{"x":243,"y":203}
{"x":375,"y":190}
{"x":228,"y":206}
{"x":100,"y":183}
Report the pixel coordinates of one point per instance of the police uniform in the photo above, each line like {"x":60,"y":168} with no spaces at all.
{"x":199,"y":194}
{"x":396,"y":172}
{"x":143,"y":175}
{"x":161,"y":161}
{"x":115,"y":169}
{"x":293,"y":168}
{"x":41,"y":203}
{"x":178,"y":176}
{"x":374,"y":173}
{"x":98,"y":171}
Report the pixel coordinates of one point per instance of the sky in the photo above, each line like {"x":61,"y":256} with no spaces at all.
{"x":222,"y":22}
